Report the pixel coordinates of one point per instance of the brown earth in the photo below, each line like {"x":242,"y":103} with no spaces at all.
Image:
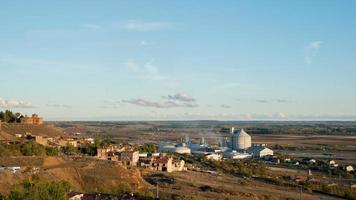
{"x":230,"y":187}
{"x":84,"y":174}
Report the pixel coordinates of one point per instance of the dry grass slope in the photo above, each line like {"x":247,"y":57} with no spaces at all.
{"x":85,"y":174}
{"x":42,"y":130}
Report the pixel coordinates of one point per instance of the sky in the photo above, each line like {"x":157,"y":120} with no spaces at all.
{"x":179,"y":60}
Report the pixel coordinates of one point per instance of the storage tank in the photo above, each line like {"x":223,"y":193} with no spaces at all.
{"x":241,"y":140}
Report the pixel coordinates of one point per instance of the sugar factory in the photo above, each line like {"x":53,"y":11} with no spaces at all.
{"x":239,"y":146}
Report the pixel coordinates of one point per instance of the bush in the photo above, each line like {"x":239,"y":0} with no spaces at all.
{"x":40,"y":191}
{"x":52,"y":151}
{"x":206,"y":188}
{"x":10,"y":150}
{"x":124,"y":188}
{"x":90,"y":150}
{"x":32,"y":149}
{"x":70,"y":150}
{"x":147,"y":148}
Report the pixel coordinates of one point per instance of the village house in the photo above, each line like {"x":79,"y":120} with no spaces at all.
{"x":349,"y":168}
{"x":75,"y":196}
{"x":110,"y":152}
{"x":13,"y":170}
{"x":129,"y":158}
{"x":89,"y":140}
{"x":332,"y":163}
{"x":41,"y":140}
{"x":66,"y":142}
{"x":163,"y":163}
{"x":312,"y":161}
{"x":33,"y":120}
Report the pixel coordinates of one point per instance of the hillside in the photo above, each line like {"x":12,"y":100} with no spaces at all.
{"x":84,"y":174}
{"x":6,"y":136}
{"x":9,"y":130}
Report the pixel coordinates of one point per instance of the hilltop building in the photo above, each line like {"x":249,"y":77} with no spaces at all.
{"x":33,"y":120}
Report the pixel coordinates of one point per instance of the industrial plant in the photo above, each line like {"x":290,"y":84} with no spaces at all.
{"x":239,"y":146}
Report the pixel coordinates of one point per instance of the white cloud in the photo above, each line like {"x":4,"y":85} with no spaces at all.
{"x":145,"y":71}
{"x":91,"y":26}
{"x":283,"y":101}
{"x":150,"y":68}
{"x":166,"y":104}
{"x":278,"y":115}
{"x":144,"y":43}
{"x":14,"y":104}
{"x":312,"y":50}
{"x":225,"y":106}
{"x":181,"y":97}
{"x":315,"y":45}
{"x":133,"y":67}
{"x":59,"y":106}
{"x":137,"y":25}
{"x":261,"y":101}
{"x":229,"y":86}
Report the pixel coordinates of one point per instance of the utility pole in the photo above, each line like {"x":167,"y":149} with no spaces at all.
{"x":301,"y":190}
{"x":157,"y":196}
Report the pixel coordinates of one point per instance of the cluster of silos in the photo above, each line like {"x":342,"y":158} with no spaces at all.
{"x":240,"y":140}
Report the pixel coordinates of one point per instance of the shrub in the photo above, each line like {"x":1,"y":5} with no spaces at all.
{"x":52,"y":151}
{"x":40,"y":191}
{"x":124,"y":188}
{"x":32,"y":149}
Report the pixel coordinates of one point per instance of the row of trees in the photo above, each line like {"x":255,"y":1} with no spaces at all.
{"x":10,"y":117}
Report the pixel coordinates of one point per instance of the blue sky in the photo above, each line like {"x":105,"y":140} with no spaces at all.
{"x":150,"y":60}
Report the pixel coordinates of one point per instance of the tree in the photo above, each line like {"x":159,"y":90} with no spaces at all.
{"x":90,"y":150}
{"x":40,"y":191}
{"x":68,"y":150}
{"x":9,"y":116}
{"x":123,"y":188}
{"x":147,"y":148}
{"x":52,"y":151}
{"x":32,"y":149}
{"x":2,"y":114}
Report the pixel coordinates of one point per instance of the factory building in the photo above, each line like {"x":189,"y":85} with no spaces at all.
{"x":183,"y":149}
{"x":240,"y":140}
{"x":236,"y":155}
{"x":259,"y":151}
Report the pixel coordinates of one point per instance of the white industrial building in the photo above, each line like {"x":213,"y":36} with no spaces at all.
{"x":240,"y":140}
{"x":236,"y":155}
{"x":175,"y":149}
{"x":260,"y":151}
{"x":213,"y":156}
